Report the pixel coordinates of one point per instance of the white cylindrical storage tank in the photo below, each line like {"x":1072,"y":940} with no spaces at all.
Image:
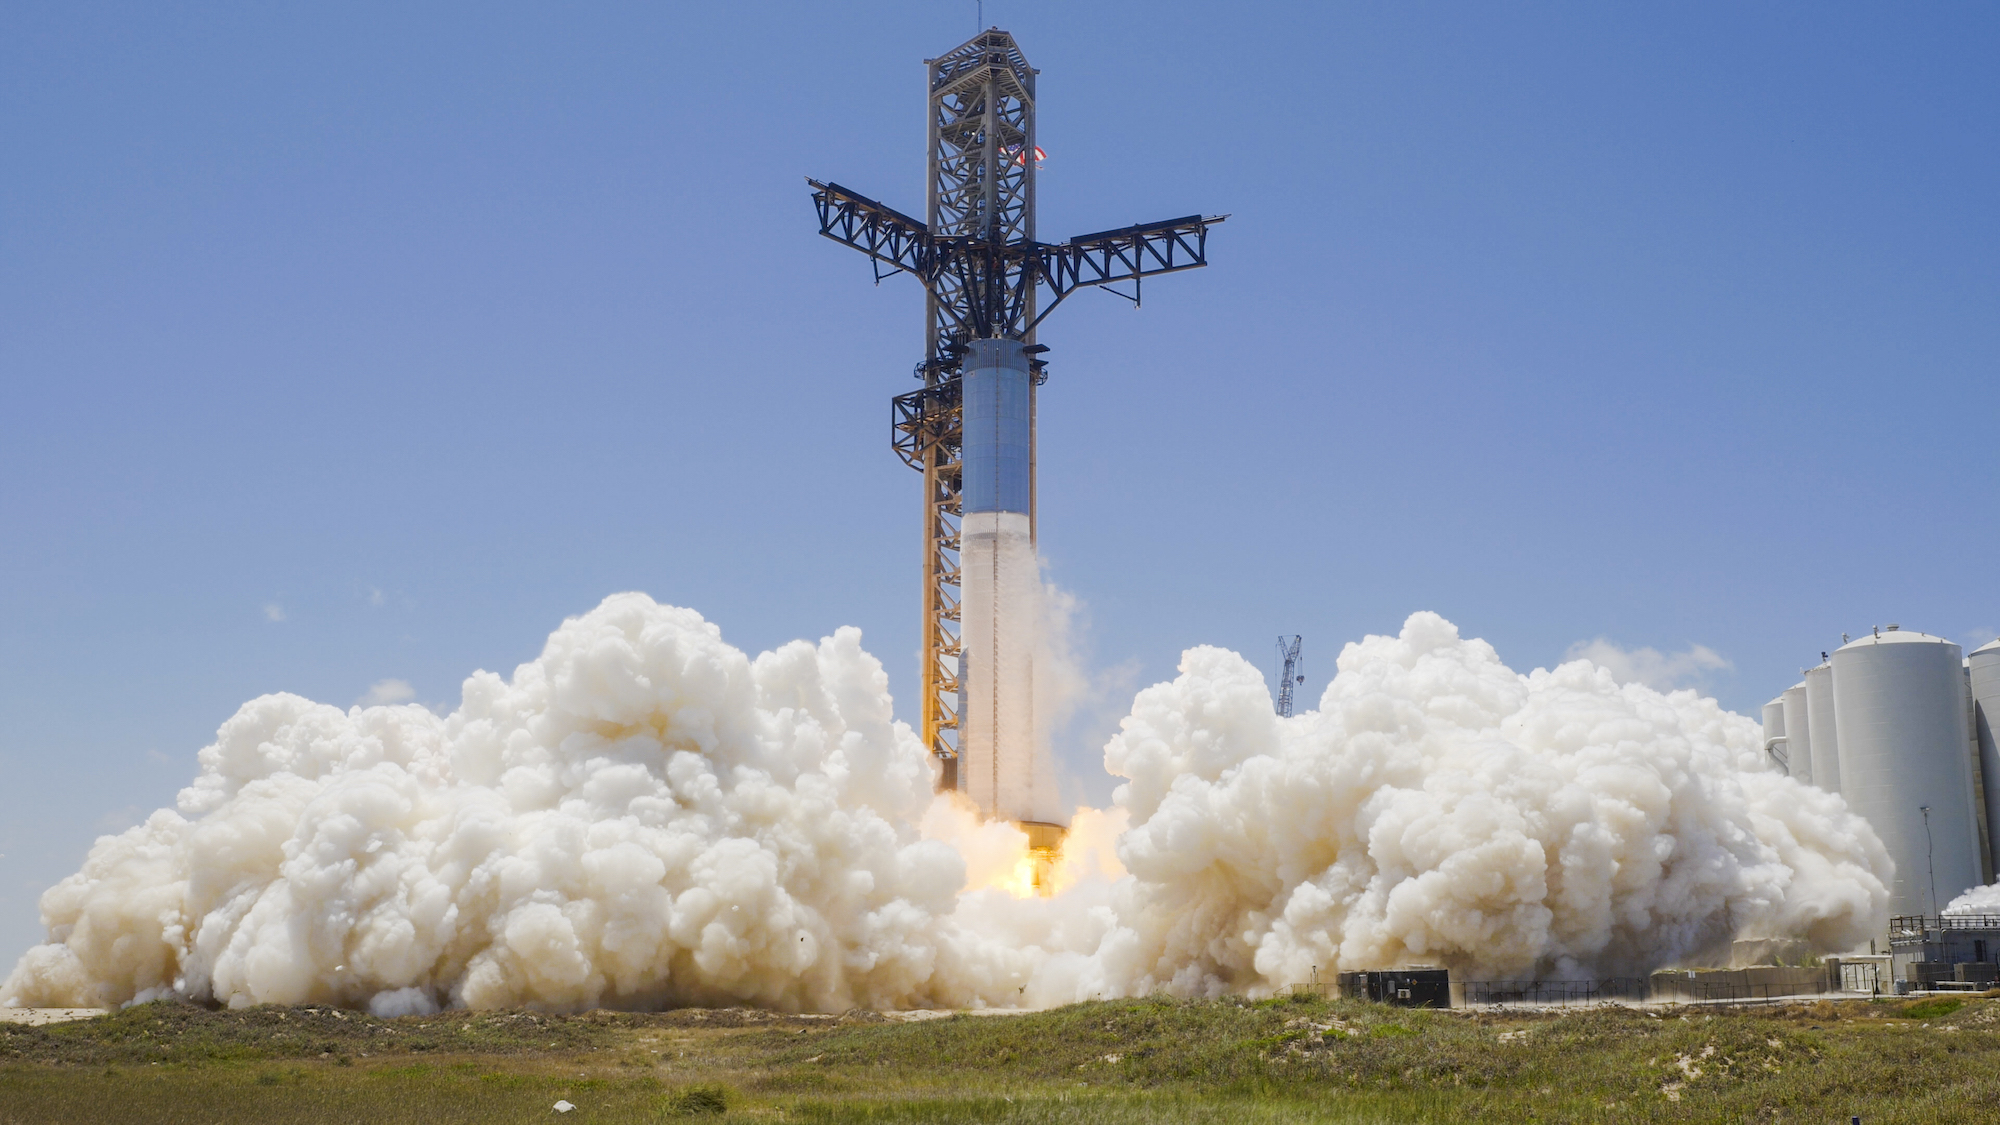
{"x":1825,"y":728}
{"x":1983,"y":669}
{"x":1798,"y":732}
{"x":1774,"y":732}
{"x":1899,"y":703}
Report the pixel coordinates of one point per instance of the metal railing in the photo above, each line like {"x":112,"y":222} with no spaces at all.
{"x":1913,"y":925}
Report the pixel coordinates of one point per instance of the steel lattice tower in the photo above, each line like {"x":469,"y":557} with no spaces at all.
{"x":983,"y":273}
{"x":1288,"y":673}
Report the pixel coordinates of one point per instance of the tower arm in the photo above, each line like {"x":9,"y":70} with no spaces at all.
{"x":878,"y":230}
{"x":1126,"y":254}
{"x":959,"y":263}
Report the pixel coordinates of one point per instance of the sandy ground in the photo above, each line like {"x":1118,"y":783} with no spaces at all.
{"x":35,"y":1017}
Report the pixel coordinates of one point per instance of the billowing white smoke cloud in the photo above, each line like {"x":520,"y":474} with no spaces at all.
{"x":1661,"y":671}
{"x":645,"y":816}
{"x":641,"y":816}
{"x":1439,"y":808}
{"x":1978,"y":900}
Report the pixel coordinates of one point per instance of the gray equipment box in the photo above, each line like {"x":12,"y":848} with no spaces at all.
{"x":1403,"y":988}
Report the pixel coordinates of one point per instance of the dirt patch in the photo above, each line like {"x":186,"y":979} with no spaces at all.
{"x":36,"y":1017}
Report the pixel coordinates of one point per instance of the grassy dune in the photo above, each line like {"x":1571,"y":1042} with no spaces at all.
{"x":1124,"y":1061}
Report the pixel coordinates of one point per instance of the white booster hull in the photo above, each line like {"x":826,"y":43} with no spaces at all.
{"x":1001,"y":766}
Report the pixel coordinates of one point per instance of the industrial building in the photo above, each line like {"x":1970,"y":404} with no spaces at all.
{"x":1942,"y":951}
{"x":1901,"y":724}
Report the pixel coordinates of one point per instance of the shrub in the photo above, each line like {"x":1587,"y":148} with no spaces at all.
{"x":694,"y":1101}
{"x":1932,"y":1008}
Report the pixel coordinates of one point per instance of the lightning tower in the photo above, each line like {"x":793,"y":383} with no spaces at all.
{"x":970,"y":426}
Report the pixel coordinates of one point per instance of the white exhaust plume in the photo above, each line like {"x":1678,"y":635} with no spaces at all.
{"x":644,"y":816}
{"x":1439,"y":808}
{"x":1978,"y":900}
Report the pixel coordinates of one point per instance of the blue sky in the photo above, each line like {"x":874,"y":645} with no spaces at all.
{"x":360,"y":342}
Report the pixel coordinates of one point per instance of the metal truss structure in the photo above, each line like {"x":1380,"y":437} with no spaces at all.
{"x":983,"y":273}
{"x":1288,"y":675}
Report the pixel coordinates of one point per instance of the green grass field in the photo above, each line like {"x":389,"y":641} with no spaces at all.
{"x":1126,"y":1061}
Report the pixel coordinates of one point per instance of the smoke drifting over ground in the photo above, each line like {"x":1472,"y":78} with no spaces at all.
{"x":645,"y":816}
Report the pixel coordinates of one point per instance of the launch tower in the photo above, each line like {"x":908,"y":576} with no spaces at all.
{"x":970,"y":425}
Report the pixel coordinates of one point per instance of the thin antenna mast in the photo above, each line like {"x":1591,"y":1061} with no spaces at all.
{"x":1289,"y":676}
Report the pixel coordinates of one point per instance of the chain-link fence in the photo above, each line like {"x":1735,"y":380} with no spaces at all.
{"x":1478,"y":993}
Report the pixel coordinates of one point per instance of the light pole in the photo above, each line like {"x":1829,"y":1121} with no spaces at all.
{"x":1929,"y":856}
